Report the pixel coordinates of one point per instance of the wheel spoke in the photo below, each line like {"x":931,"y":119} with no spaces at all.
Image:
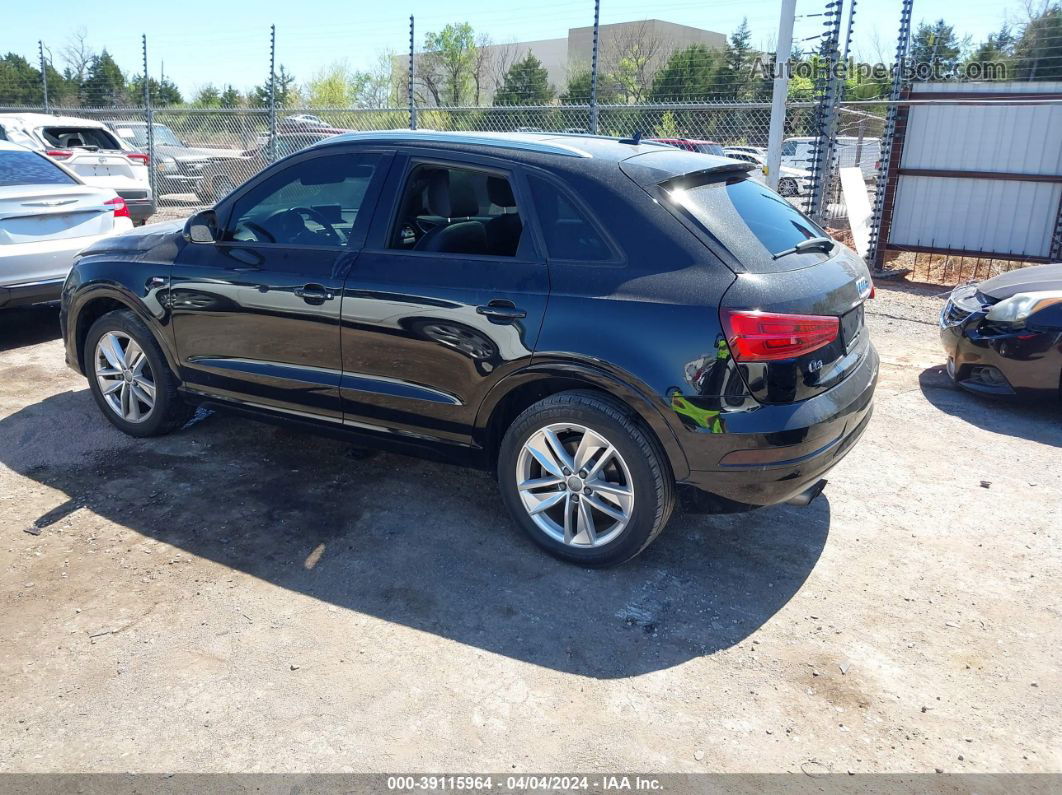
{"x":111,"y":386}
{"x":545,"y":502}
{"x":133,"y":355}
{"x":142,"y":396}
{"x":558,"y":449}
{"x":607,"y":509}
{"x":608,"y":489}
{"x":568,"y":531}
{"x":543,"y":453}
{"x":586,"y":523}
{"x":112,"y":352}
{"x":146,"y":387}
{"x":588,"y":447}
{"x":600,"y":462}
{"x":539,"y":483}
{"x":107,"y":372}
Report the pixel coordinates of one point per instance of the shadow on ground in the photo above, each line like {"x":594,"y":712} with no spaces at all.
{"x":1036,"y":421}
{"x":418,"y":543}
{"x":28,"y":325}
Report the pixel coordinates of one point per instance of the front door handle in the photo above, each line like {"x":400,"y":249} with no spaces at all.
{"x":314,"y":293}
{"x":501,"y":311}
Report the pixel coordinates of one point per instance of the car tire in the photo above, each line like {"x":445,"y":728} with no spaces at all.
{"x":787,"y":186}
{"x":135,"y":378}
{"x":634,"y":463}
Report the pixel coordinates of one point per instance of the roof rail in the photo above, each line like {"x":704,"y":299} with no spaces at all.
{"x":500,"y":140}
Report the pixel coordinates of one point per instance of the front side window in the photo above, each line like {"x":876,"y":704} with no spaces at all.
{"x":29,"y":168}
{"x":569,"y":233}
{"x":454,"y":210}
{"x":314,"y":202}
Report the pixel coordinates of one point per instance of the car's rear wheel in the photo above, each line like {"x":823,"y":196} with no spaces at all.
{"x":584,"y":479}
{"x":787,"y":186}
{"x":129,"y":377}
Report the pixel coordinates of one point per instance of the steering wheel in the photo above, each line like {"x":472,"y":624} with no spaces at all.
{"x":318,"y":218}
{"x":259,"y":231}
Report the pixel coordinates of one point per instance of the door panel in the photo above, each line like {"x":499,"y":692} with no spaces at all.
{"x":418,"y":353}
{"x":243,"y":332}
{"x":256,"y":316}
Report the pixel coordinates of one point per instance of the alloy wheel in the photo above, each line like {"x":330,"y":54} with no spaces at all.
{"x":124,"y":376}
{"x":575,"y":485}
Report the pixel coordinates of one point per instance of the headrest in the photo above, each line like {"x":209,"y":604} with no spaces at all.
{"x":500,"y":192}
{"x":450,"y":199}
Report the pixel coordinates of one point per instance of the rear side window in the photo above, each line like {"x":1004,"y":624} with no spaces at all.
{"x":29,"y":168}
{"x":708,"y":149}
{"x":569,"y":233}
{"x":738,"y":207}
{"x":72,"y":137}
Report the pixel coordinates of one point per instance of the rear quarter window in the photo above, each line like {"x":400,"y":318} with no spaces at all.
{"x":29,"y":168}
{"x":569,"y":233}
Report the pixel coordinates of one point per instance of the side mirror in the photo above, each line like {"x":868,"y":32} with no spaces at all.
{"x":202,"y":227}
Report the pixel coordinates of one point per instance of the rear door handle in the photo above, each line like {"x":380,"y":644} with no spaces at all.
{"x":501,"y":311}
{"x":314,"y":293}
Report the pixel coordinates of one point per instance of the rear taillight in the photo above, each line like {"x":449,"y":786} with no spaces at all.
{"x":59,"y":154}
{"x":769,"y":336}
{"x":121,"y":209}
{"x":139,"y":157}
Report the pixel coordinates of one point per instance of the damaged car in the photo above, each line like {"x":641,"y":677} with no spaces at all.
{"x":1004,"y":335}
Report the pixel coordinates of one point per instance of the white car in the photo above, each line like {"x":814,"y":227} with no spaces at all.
{"x":791,"y":181}
{"x":89,"y":149}
{"x":47,"y":215}
{"x":849,"y":151}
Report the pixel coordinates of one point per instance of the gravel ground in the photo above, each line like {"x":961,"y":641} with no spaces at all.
{"x":239,"y":597}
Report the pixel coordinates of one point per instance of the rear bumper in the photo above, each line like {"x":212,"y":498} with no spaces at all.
{"x":772,"y":454}
{"x":30,"y":293}
{"x":140,"y":207}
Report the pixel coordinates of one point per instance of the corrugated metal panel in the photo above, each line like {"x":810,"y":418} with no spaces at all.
{"x":990,"y":215}
{"x":1020,"y":139}
{"x":950,"y":87}
{"x":1014,"y":217}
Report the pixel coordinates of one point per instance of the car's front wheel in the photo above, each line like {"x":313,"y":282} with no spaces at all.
{"x":129,"y":377}
{"x":583,"y":478}
{"x":787,"y":186}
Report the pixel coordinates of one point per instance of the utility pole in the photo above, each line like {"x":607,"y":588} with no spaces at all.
{"x":272,"y":93}
{"x":412,"y":77}
{"x":593,"y":67}
{"x":44,"y":74}
{"x":149,"y":117}
{"x":876,"y":246}
{"x":781,"y":91}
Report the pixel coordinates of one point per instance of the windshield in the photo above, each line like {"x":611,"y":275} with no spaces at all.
{"x":136,"y":134}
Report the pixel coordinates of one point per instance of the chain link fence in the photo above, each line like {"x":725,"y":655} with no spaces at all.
{"x":196,"y":156}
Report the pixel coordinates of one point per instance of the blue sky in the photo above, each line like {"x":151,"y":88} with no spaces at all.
{"x":204,"y":41}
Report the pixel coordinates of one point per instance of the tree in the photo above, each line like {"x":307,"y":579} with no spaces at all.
{"x":1038,"y":52}
{"x":998,"y":48}
{"x":629,"y":61}
{"x":936,"y":45}
{"x":446,"y":67}
{"x":689,"y":75}
{"x":378,"y":87}
{"x":77,"y":55}
{"x":285,"y":95}
{"x":230,"y":97}
{"x":104,"y":84}
{"x":578,"y":90}
{"x":734,"y":79}
{"x":330,"y":87}
{"x":20,"y":82}
{"x":163,"y":93}
{"x":207,"y":96}
{"x":526,"y":83}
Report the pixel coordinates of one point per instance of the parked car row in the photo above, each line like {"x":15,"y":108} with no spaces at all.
{"x":48,"y":213}
{"x":114,"y":153}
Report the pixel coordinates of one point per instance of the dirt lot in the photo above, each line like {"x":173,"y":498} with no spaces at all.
{"x":242,"y":597}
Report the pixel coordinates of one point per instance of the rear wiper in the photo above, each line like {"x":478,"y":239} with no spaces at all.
{"x":811,"y":244}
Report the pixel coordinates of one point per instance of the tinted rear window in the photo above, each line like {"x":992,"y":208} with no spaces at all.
{"x":731,"y":210}
{"x":70,"y":137}
{"x":569,"y":233}
{"x":29,"y":168}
